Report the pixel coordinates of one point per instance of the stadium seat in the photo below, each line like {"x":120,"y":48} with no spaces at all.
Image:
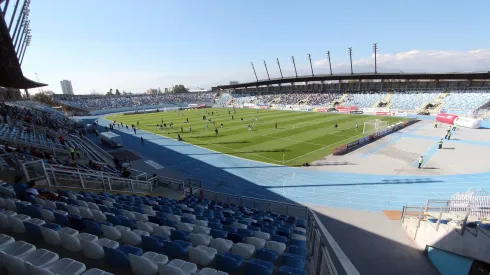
{"x":257,"y":242}
{"x":40,"y":258}
{"x":243,"y":249}
{"x":176,"y":249}
{"x":221,"y":245}
{"x":293,"y":261}
{"x":267,"y":255}
{"x":146,"y":264}
{"x":118,"y":257}
{"x":228,"y":262}
{"x":287,"y":270}
{"x":210,"y":271}
{"x":258,"y":267}
{"x":63,"y":266}
{"x":202,"y":255}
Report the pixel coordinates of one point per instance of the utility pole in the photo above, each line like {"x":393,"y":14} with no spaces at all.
{"x":254,"y":71}
{"x":350,"y":56}
{"x":311,"y":66}
{"x":279,"y":65}
{"x":267,"y":70}
{"x":294,"y":64}
{"x":375,"y":50}
{"x":329,"y":63}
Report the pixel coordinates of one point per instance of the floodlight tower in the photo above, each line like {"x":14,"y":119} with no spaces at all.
{"x":22,"y":20}
{"x":311,"y":66}
{"x":255,"y":73}
{"x":267,"y":71}
{"x":294,"y":64}
{"x":23,"y":52}
{"x":375,"y":50}
{"x":13,"y":15}
{"x":279,"y":65}
{"x":329,"y":63}
{"x":350,"y":56}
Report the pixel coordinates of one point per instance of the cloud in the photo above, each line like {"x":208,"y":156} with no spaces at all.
{"x":419,"y":61}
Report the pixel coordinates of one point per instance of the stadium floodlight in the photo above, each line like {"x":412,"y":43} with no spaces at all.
{"x":5,"y":7}
{"x":311,"y":66}
{"x":375,"y":50}
{"x":329,"y":63}
{"x":294,"y":64}
{"x":350,"y":56}
{"x":254,"y":71}
{"x":25,"y":48}
{"x":279,"y":65}
{"x":374,"y":126}
{"x":13,"y":15}
{"x":267,"y":71}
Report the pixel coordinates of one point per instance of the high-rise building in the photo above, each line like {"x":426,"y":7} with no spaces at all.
{"x":66,"y":87}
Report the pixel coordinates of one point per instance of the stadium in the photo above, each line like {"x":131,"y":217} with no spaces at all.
{"x":360,"y":173}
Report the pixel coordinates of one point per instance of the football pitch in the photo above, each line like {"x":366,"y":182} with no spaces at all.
{"x":300,"y":137}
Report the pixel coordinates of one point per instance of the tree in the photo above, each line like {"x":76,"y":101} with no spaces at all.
{"x":117,"y":92}
{"x":179,"y":89}
{"x":45,"y":97}
{"x":109,"y":93}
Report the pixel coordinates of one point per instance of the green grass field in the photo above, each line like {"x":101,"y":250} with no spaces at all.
{"x":300,"y":136}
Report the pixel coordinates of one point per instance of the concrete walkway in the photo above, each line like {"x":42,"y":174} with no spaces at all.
{"x":373,"y":243}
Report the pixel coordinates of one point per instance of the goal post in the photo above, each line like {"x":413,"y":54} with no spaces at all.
{"x":374,"y":126}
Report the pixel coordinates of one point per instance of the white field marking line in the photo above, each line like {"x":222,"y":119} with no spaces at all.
{"x":322,"y":148}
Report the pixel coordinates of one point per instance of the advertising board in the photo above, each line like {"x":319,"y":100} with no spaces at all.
{"x":446,"y":118}
{"x":358,"y":112}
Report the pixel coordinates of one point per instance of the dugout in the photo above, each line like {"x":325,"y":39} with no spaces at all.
{"x":110,"y":139}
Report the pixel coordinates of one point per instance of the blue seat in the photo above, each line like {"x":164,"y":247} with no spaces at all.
{"x":33,"y":231}
{"x":245,"y":232}
{"x":114,"y":220}
{"x":228,"y":221}
{"x":170,"y":223}
{"x":181,"y":235}
{"x":151,"y":243}
{"x":280,"y":239}
{"x":293,"y":261}
{"x":287,"y":270}
{"x":299,"y":251}
{"x":21,"y":208}
{"x":61,"y":219}
{"x":230,"y":229}
{"x":72,"y":201}
{"x":61,"y":206}
{"x":125,"y":221}
{"x":267,"y":255}
{"x":214,"y":225}
{"x":299,"y":243}
{"x":236,"y":238}
{"x":215,"y":233}
{"x":119,"y":257}
{"x":52,"y":226}
{"x":258,"y":267}
{"x":20,"y":190}
{"x":93,"y":227}
{"x":283,"y":231}
{"x":301,"y":223}
{"x":253,"y":228}
{"x":76,"y":222}
{"x":176,"y":249}
{"x":228,"y":262}
{"x":299,"y":232}
{"x":104,"y":208}
{"x":104,"y":223}
{"x":187,"y":220}
{"x":116,"y":211}
{"x":157,"y":220}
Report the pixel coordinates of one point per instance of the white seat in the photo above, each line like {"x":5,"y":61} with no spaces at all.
{"x":107,"y":203}
{"x":240,"y":225}
{"x":298,"y":237}
{"x":17,"y":223}
{"x":16,"y":249}
{"x":163,"y":230}
{"x":177,"y":267}
{"x":61,"y":212}
{"x":301,"y":229}
{"x":149,"y":212}
{"x":36,"y":221}
{"x":185,"y":226}
{"x":71,"y":243}
{"x":262,"y":235}
{"x":50,"y":236}
{"x":188,"y":215}
{"x":68,"y":231}
{"x":95,"y":250}
{"x":10,"y":204}
{"x":174,"y":218}
{"x":140,"y":217}
{"x":2,"y":203}
{"x":64,"y":266}
{"x":39,"y":201}
{"x":50,"y":204}
{"x":96,"y":271}
{"x":147,"y":264}
{"x":47,"y":215}
{"x":122,"y":228}
{"x":111,"y":232}
{"x":6,"y":240}
{"x":200,"y":239}
{"x":72,"y":209}
{"x":201,"y":223}
{"x":86,"y":213}
{"x":250,"y":220}
{"x":128,"y":214}
{"x":41,"y":258}
{"x":201,"y":229}
{"x":243,"y":249}
{"x":202,"y":255}
{"x":99,"y":216}
{"x":221,"y":245}
{"x":257,"y":242}
{"x":92,"y":206}
{"x":211,"y":271}
{"x":144,"y":226}
{"x":276,"y":246}
{"x":87,"y":237}
{"x":4,"y":220}
{"x":82,"y":203}
{"x":133,"y":237}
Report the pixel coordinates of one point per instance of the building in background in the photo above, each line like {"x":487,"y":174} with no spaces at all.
{"x":152,"y":91}
{"x":66,"y":87}
{"x":234,"y":82}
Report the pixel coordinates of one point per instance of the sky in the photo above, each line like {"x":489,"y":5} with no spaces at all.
{"x":137,"y":45}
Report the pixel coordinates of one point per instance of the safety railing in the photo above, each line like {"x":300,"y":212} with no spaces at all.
{"x":9,"y":161}
{"x":325,"y":255}
{"x":101,"y":152}
{"x":15,"y":142}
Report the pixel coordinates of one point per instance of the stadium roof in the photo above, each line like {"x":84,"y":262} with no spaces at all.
{"x":363,"y":76}
{"x":11,"y":75}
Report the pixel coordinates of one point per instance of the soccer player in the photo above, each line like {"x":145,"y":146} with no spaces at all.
{"x":221,"y":125}
{"x":190,"y":129}
{"x":440,"y":143}
{"x":421,"y":160}
{"x":435,"y":125}
{"x":249,"y":128}
{"x":216,"y":131}
{"x":336,"y":126}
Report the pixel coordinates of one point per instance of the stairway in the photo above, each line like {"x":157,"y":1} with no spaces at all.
{"x":388,"y":97}
{"x":305,"y":101}
{"x":375,"y":105}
